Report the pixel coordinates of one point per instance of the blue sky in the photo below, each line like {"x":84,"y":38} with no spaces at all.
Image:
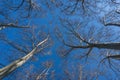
{"x":47,"y":20}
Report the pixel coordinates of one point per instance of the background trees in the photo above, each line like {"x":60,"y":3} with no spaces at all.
{"x":91,"y":36}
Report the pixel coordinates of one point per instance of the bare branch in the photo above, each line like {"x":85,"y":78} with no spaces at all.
{"x":44,"y":73}
{"x":12,"y":25}
{"x":15,"y":46}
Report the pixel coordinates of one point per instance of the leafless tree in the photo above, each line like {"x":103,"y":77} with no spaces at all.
{"x":31,"y":41}
{"x":93,"y":38}
{"x":35,"y":46}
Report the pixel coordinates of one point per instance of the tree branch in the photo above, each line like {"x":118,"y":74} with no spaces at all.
{"x":12,"y":25}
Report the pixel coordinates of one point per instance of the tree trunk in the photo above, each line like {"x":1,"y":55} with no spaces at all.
{"x":14,"y":65}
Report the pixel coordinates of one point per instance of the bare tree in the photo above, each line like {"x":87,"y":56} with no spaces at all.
{"x":24,"y":10}
{"x":92,"y":37}
{"x":11,"y":67}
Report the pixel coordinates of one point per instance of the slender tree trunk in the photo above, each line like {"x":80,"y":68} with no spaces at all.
{"x":14,"y":65}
